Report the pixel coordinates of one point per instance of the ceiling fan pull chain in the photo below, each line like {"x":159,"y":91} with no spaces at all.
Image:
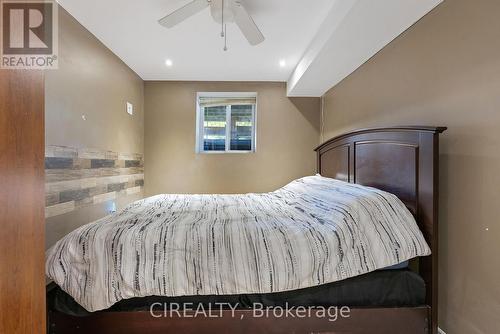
{"x":225,"y":37}
{"x":222,"y":34}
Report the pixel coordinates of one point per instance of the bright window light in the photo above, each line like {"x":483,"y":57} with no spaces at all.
{"x":226,"y":122}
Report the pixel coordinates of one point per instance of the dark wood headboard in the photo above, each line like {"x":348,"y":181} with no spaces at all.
{"x":401,"y":160}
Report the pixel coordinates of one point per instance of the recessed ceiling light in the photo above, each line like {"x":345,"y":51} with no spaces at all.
{"x":282,"y":63}
{"x":168,"y":62}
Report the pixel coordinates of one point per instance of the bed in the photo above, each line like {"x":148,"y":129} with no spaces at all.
{"x":402,"y":161}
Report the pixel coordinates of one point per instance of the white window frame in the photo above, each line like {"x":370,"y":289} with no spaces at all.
{"x":200,"y":122}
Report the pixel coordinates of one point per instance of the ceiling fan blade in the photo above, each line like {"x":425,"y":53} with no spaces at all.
{"x":183,"y":13}
{"x":247,"y":26}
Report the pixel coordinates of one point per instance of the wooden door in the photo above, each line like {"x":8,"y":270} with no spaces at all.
{"x":22,"y":219}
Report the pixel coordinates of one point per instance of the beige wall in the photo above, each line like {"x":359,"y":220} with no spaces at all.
{"x":94,"y":82}
{"x":287,"y":132}
{"x":91,"y":81}
{"x":446,"y":71}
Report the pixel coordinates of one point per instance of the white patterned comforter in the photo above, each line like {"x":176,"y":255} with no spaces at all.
{"x":313,"y":231}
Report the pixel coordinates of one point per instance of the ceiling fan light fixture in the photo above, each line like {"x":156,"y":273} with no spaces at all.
{"x":222,"y":11}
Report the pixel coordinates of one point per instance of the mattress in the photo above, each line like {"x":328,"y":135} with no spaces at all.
{"x":311,"y":232}
{"x":385,"y":288}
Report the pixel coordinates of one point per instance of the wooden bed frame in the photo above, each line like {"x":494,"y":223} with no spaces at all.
{"x":401,"y":160}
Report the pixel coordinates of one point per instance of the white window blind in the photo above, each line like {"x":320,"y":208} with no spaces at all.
{"x":225,"y":101}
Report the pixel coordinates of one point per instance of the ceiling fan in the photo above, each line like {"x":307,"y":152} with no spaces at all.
{"x":223,"y":11}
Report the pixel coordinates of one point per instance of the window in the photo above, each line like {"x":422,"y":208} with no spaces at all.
{"x":226,"y":122}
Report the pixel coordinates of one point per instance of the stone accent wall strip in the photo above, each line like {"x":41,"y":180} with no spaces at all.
{"x":78,"y":177}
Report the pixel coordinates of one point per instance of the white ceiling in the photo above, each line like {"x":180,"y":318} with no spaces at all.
{"x":130,"y":29}
{"x":322,"y":41}
{"x":352,"y":33}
